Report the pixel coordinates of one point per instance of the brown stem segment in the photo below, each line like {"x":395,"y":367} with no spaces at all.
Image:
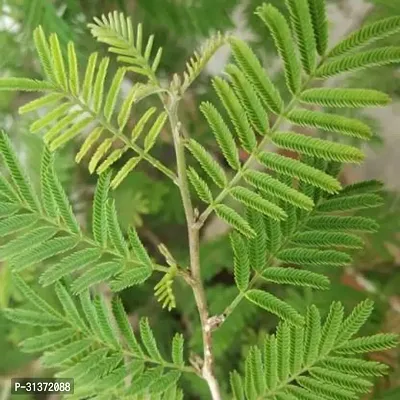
{"x":194,"y":250}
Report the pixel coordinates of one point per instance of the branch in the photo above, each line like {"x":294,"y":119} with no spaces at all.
{"x":194,"y":244}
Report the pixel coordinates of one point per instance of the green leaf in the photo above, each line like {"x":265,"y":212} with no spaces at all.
{"x":328,"y":239}
{"x":271,"y":362}
{"x":378,"y":342}
{"x":99,"y":218}
{"x":139,"y":250}
{"x":107,"y":330}
{"x":58,"y":62}
{"x":331,"y":328}
{"x":25,"y":84}
{"x":59,"y":114}
{"x":43,"y":50}
{"x":44,"y":251}
{"x":18,"y":176}
{"x":341,"y":98}
{"x":312,"y":335}
{"x":337,"y":223}
{"x":352,"y":324}
{"x":249,"y":99}
{"x":350,"y":203}
{"x":355,"y":366}
{"x":69,"y":134}
{"x":296,"y":349}
{"x":98,"y":87}
{"x":29,"y":317}
{"x":256,"y":202}
{"x":149,"y":340}
{"x":200,"y":186}
{"x":100,"y":152}
{"x":325,"y":389}
{"x":47,"y":340}
{"x":231,"y":217}
{"x":339,"y":379}
{"x":125,"y":327}
{"x":95,"y":275}
{"x":359,"y":61}
{"x":275,"y":188}
{"x":320,"y":24}
{"x":134,"y":276}
{"x":114,"y":230}
{"x":331,"y":123}
{"x":69,"y":264}
{"x":366,"y":35}
{"x":177,"y":350}
{"x":296,"y":169}
{"x":255,"y":73}
{"x":69,"y":307}
{"x":222,"y":134}
{"x":138,"y":128}
{"x":88,"y":79}
{"x":320,"y":148}
{"x":73,"y":70}
{"x":42,"y":101}
{"x":113,"y":92}
{"x":155,"y":130}
{"x":207,"y":162}
{"x":281,"y":34}
{"x":258,"y":244}
{"x":237,"y":385}
{"x":283,"y":337}
{"x":62,"y":202}
{"x":274,"y":305}
{"x":8,"y":209}
{"x":296,"y":277}
{"x":236,"y":113}
{"x":302,"y":256}
{"x":40,"y":304}
{"x":241,"y":261}
{"x":29,"y":240}
{"x":124,"y":171}
{"x":66,"y":352}
{"x":16,"y":223}
{"x":165,"y":382}
{"x":302,"y":25}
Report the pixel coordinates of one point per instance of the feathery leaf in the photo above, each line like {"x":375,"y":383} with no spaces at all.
{"x":255,"y":73}
{"x":275,"y":188}
{"x":255,"y":201}
{"x":274,"y":305}
{"x":280,"y":31}
{"x":296,"y":277}
{"x":320,"y":24}
{"x":337,"y":97}
{"x":302,"y":25}
{"x":241,"y":261}
{"x":234,"y":219}
{"x":359,"y":61}
{"x":237,"y":114}
{"x":366,"y":35}
{"x":331,"y":123}
{"x":318,"y":147}
{"x":207,"y":162}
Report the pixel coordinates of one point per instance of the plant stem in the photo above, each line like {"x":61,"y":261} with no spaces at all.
{"x":194,"y":250}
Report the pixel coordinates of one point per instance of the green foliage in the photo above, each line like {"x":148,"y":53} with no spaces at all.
{"x":94,"y":110}
{"x":54,"y":230}
{"x":297,"y":222}
{"x":315,"y":369}
{"x":90,"y":344}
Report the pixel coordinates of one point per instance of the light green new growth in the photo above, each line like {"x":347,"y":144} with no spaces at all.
{"x":293,"y":219}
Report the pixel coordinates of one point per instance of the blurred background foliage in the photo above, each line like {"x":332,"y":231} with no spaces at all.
{"x":153,"y":205}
